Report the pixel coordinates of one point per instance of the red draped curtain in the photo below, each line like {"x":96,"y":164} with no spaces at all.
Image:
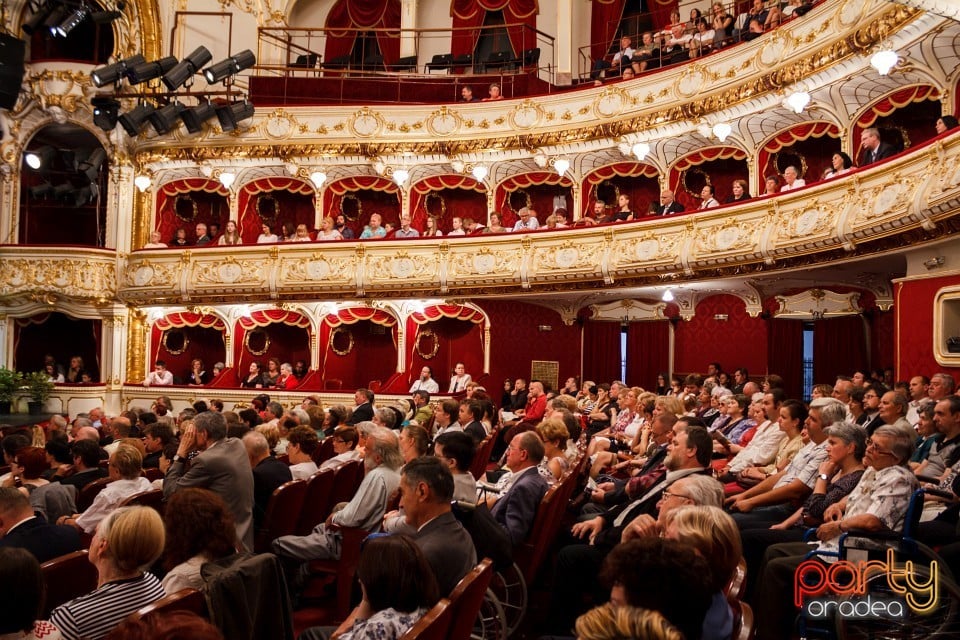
{"x":540,"y":188}
{"x":468,"y":16}
{"x":785,"y":354}
{"x":59,"y":335}
{"x":815,"y":142}
{"x":839,"y":347}
{"x":359,"y":196}
{"x":660,"y":11}
{"x":605,"y":17}
{"x":636,"y":179}
{"x":722,"y":165}
{"x":601,"y":351}
{"x":204,"y":340}
{"x":288,"y":333}
{"x":909,"y":110}
{"x":348,"y":15}
{"x":444,"y":197}
{"x":212,"y":201}
{"x":294,"y":204}
{"x":457,"y":335}
{"x":648,"y":352}
{"x":373,"y":355}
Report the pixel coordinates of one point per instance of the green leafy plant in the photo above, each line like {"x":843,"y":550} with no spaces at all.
{"x":38,"y":386}
{"x":10,"y":382}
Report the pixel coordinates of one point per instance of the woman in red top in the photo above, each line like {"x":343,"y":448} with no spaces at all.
{"x":287,"y":380}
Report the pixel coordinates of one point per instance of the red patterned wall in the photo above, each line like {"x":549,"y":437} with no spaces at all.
{"x":515,"y":341}
{"x":740,"y":341}
{"x":913,"y":318}
{"x":373,"y":357}
{"x":882,"y":339}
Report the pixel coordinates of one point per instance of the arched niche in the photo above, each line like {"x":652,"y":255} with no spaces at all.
{"x":720,"y":165}
{"x":64,"y":199}
{"x":440,"y":336}
{"x":809,"y":147}
{"x":184,"y":203}
{"x":905,"y":118}
{"x":270,"y":333}
{"x":88,"y":42}
{"x":60,"y":336}
{"x":359,"y":345}
{"x":178,"y":338}
{"x":357,"y":197}
{"x":635,"y":179}
{"x":346,"y":21}
{"x":443,"y":197}
{"x":544,"y":191}
{"x":274,"y":202}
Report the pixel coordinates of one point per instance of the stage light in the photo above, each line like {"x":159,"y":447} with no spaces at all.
{"x":91,"y":166}
{"x":40,"y":157}
{"x":166,"y":118}
{"x":54,"y":18}
{"x":105,"y":112}
{"x":108,"y":16}
{"x":229,"y":115}
{"x":71,"y":22}
{"x":232,"y":65}
{"x":82,"y":196}
{"x":149,"y":70}
{"x":113,"y":73}
{"x":195,"y":117}
{"x":134,"y":121}
{"x":184,"y":70}
{"x":36,"y":21}
{"x":64,"y":191}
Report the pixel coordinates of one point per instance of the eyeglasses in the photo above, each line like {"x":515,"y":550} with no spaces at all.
{"x":872,"y":446}
{"x":667,"y":494}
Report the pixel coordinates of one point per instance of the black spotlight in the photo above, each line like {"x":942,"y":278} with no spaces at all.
{"x":54,"y":18}
{"x":134,"y":121}
{"x":40,"y":158}
{"x":41,"y":191}
{"x":113,"y":73}
{"x":105,"y":112}
{"x":71,"y":22}
{"x":64,"y":191}
{"x":36,"y":21}
{"x":194,"y":117}
{"x":178,"y":75}
{"x":166,"y":118}
{"x":229,"y":115}
{"x":150,"y":70}
{"x":91,"y":166}
{"x":226,"y":68}
{"x":108,"y":16}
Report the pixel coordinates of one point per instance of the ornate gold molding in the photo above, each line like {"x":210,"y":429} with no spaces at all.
{"x":74,"y":275}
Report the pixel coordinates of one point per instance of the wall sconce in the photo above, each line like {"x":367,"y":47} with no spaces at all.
{"x":721,"y":317}
{"x":544,"y":327}
{"x":458,"y":165}
{"x":142,"y":182}
{"x":640,"y":150}
{"x":667,"y":295}
{"x":400,"y":176}
{"x":798,"y":101}
{"x":562,"y":165}
{"x":934,"y":263}
{"x":318,"y":178}
{"x":227,"y":179}
{"x":884,"y":60}
{"x":722,"y":130}
{"x":480,"y":172}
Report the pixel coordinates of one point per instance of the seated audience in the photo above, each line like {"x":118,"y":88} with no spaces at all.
{"x":667,"y":204}
{"x":86,"y":464}
{"x":457,"y":449}
{"x":27,"y":467}
{"x":345,"y":441}
{"x":707,"y":201}
{"x":230,"y":235}
{"x":172,"y":625}
{"x":302,"y":441}
{"x":791,"y":180}
{"x":179,"y":238}
{"x":20,"y":527}
{"x":946,"y":123}
{"x":199,"y":529}
{"x":517,"y":508}
{"x":647,"y":55}
{"x":493,"y":93}
{"x":126,"y":543}
{"x":621,"y":59}
{"x":22,"y":601}
{"x":528,"y":220}
{"x":197,"y":377}
{"x":156,"y":242}
{"x":159,"y":376}
{"x":268,"y":474}
{"x":125,"y":469}
{"x":840,"y":163}
{"x":554,"y":435}
{"x":611,"y":622}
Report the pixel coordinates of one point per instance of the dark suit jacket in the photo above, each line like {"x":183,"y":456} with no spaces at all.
{"x":517,"y":508}
{"x":152,"y":460}
{"x":476,"y":431}
{"x":448,"y":548}
{"x":225,"y":470}
{"x":673,"y":207}
{"x":885,"y":150}
{"x":83,"y":478}
{"x":362,"y":413}
{"x":269,"y":474}
{"x":44,"y":541}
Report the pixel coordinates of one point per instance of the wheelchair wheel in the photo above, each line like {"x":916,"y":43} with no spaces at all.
{"x":491,"y":621}
{"x":942,"y":621}
{"x":511,"y":590}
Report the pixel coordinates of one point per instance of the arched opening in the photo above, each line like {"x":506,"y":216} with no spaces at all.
{"x":359,"y":346}
{"x":360,"y":196}
{"x":60,"y":336}
{"x":63,"y":188}
{"x":179,"y":338}
{"x":280,"y":203}
{"x":446,"y":197}
{"x":183,"y":203}
{"x":273,"y":333}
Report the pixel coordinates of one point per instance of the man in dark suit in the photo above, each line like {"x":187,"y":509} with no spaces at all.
{"x":364,"y":409}
{"x":873,"y":149}
{"x":517,"y":508}
{"x":86,"y":464}
{"x":268,"y":474}
{"x":471,"y":411}
{"x":19,"y":527}
{"x":221,"y":467}
{"x":667,"y":204}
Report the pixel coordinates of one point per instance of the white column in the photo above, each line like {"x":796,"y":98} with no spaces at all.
{"x":6,"y":341}
{"x":121,"y":195}
{"x":408,"y":22}
{"x":9,"y":199}
{"x":565,"y":52}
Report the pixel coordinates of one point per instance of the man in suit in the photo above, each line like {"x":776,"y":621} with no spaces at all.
{"x":471,"y":411}
{"x":221,"y":467}
{"x":667,"y":204}
{"x":517,"y":508}
{"x":364,"y":409}
{"x":19,"y":527}
{"x":873,"y":149}
{"x":268,"y":474}
{"x":86,"y":464}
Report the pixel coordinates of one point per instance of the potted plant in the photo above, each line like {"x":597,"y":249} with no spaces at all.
{"x":10,"y":382}
{"x":39,"y":387}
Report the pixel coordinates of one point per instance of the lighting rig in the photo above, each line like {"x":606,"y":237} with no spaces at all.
{"x":58,"y":18}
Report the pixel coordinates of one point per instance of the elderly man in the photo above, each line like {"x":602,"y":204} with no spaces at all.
{"x":873,"y":148}
{"x":268,"y":474}
{"x":791,"y":179}
{"x":941,"y":386}
{"x":425,"y":382}
{"x":202,"y":236}
{"x":621,"y":59}
{"x":119,"y":428}
{"x":774,"y":499}
{"x":221,"y":466}
{"x":125,"y":473}
{"x":363,"y":411}
{"x":667,"y":204}
{"x":20,"y":527}
{"x":878,"y":503}
{"x":517,"y":508}
{"x":692,"y":490}
{"x":382,"y":461}
{"x":528,"y":220}
{"x":405,"y":230}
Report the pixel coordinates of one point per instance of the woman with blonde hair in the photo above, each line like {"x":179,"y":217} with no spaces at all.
{"x":327,"y":232}
{"x":611,"y":622}
{"x":668,"y":404}
{"x":554,"y":435}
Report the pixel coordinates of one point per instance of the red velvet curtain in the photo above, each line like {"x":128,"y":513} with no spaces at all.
{"x":468,"y":16}
{"x":814,"y":142}
{"x":785,"y":354}
{"x":444,"y":197}
{"x":605,"y":17}
{"x":209,"y":196}
{"x":294,"y":203}
{"x":363,"y":14}
{"x":839,"y":347}
{"x":722,"y":165}
{"x":540,"y":189}
{"x":357,"y":197}
{"x":648,"y":352}
{"x":601,"y":351}
{"x":59,"y":335}
{"x":635,"y":179}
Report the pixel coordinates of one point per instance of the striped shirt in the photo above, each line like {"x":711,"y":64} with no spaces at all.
{"x":95,"y":615}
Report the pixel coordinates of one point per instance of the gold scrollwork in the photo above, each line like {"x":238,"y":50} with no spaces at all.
{"x":693,"y":180}
{"x":338,"y":337}
{"x":428,"y":352}
{"x":520,"y":197}
{"x":352,"y":212}
{"x":268,"y":208}
{"x":185,"y":207}
{"x":175,"y":341}
{"x":256,"y":341}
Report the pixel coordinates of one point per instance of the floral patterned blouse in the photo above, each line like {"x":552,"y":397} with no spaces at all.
{"x":387,"y":624}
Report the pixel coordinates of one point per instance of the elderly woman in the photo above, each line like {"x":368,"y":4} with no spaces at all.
{"x":929,"y":435}
{"x":287,"y":380}
{"x":125,"y":468}
{"x":126,"y":543}
{"x":554,"y":435}
{"x":199,"y":529}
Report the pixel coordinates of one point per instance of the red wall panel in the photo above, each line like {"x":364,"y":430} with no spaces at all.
{"x":739,"y":341}
{"x":913,"y":317}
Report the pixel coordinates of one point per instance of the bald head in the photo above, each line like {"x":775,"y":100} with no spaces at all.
{"x":87,"y":433}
